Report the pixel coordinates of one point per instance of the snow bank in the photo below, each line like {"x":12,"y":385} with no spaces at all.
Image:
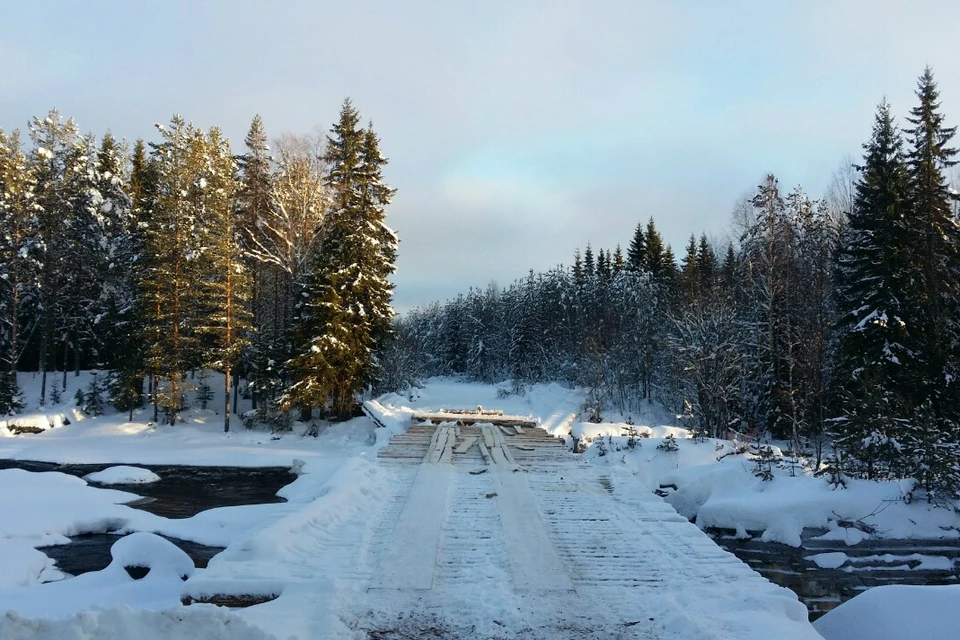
{"x":123,"y":475}
{"x":59,"y":506}
{"x":198,"y":622}
{"x":728,"y":495}
{"x":21,"y":565}
{"x":895,"y":612}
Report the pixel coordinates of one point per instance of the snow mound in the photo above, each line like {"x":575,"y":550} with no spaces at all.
{"x":894,"y":612}
{"x":152,"y":552}
{"x":198,"y":622}
{"x":122,"y":475}
{"x":22,"y":566}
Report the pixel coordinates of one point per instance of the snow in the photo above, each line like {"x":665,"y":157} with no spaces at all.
{"x":152,"y":552}
{"x":895,"y":612}
{"x":22,"y":566}
{"x":319,"y":552}
{"x":199,"y":622}
{"x":891,"y":562}
{"x":123,"y":475}
{"x":590,"y":431}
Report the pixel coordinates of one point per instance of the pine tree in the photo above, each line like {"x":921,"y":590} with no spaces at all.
{"x":18,"y":267}
{"x":226,"y":287}
{"x":55,"y":162}
{"x":171,"y":276}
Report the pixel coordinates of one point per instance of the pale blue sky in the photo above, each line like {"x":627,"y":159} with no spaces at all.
{"x":517,"y":131}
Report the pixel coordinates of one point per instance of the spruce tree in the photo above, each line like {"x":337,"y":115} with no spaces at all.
{"x":636,"y":252}
{"x":658,"y":258}
{"x":933,"y":440}
{"x":872,"y":333}
{"x":344,"y":313}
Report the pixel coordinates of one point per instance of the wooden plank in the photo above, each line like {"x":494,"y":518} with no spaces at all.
{"x":505,"y":431}
{"x":487,"y":432}
{"x":484,"y":453}
{"x":464,"y":446}
{"x":522,"y":447}
{"x":446,"y":456}
{"x":430,"y":458}
{"x":497,"y":454}
{"x":518,"y":428}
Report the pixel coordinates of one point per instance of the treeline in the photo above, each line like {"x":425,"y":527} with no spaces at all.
{"x":166,"y":258}
{"x":833,"y":326}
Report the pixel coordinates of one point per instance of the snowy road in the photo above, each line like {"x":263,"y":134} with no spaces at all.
{"x":548,"y":551}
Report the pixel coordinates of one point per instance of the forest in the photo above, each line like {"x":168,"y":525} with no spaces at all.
{"x":830,"y":324}
{"x":272,"y":266}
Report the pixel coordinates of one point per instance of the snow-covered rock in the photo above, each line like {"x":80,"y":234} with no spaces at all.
{"x":123,"y":475}
{"x":895,"y":612}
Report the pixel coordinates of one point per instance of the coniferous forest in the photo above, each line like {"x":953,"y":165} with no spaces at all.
{"x":155,"y":261}
{"x":831,"y":324}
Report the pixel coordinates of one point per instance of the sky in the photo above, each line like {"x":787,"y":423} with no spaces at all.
{"x":516,"y":131}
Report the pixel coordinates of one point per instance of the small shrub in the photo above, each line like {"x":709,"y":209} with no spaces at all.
{"x":632,"y":440}
{"x":669,"y":444}
{"x":764,"y":462}
{"x":204,"y":393}
{"x":93,"y":402}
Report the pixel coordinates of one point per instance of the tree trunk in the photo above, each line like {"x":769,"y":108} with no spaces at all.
{"x":226,"y":398}
{"x":66,"y":353}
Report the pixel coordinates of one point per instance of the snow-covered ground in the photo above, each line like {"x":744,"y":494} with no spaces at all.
{"x":321,"y":550}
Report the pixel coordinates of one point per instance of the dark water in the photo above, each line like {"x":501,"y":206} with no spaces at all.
{"x":821,"y":590}
{"x":185,"y":491}
{"x":181,"y":492}
{"x":91,"y":552}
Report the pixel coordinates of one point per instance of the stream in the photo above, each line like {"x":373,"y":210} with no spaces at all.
{"x":181,"y":492}
{"x":869,"y":563}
